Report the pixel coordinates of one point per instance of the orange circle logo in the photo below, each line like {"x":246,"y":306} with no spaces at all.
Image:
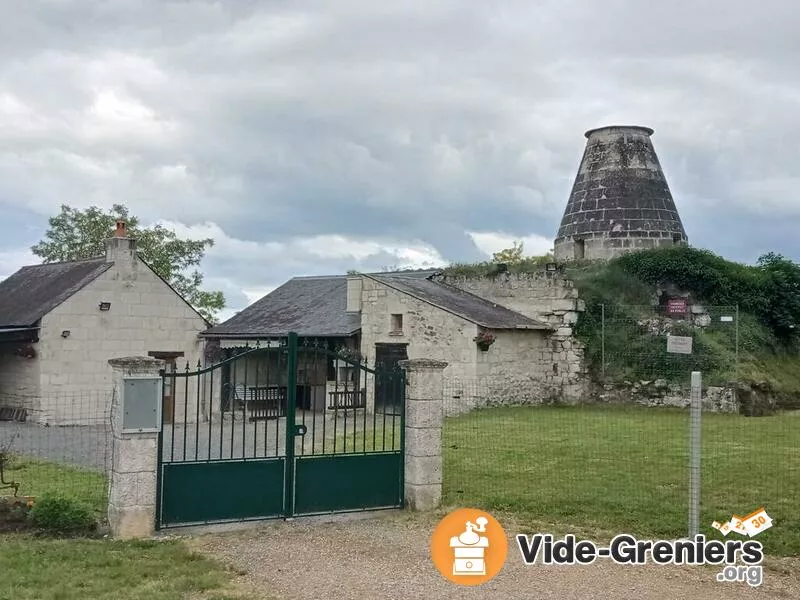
{"x":469,"y":546}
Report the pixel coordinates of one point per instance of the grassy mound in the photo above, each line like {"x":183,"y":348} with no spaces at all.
{"x":745,"y":333}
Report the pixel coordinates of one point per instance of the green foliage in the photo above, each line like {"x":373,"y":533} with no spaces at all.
{"x":620,"y":294}
{"x":770,"y":290}
{"x":60,"y":514}
{"x":513,"y":259}
{"x":40,"y":478}
{"x":41,"y":568}
{"x":81,"y":234}
{"x":709,"y":277}
{"x":782,"y":294}
{"x":509,"y":256}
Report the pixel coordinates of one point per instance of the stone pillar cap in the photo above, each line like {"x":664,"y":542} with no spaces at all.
{"x":420,"y":364}
{"x":136,"y":362}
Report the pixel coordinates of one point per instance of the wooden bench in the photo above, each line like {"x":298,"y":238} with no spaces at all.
{"x":262,"y":402}
{"x":345,"y":399}
{"x":8,"y":413}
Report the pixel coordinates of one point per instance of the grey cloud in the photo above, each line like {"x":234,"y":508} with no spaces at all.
{"x":407,"y":120}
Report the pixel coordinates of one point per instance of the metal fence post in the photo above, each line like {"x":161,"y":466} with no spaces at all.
{"x":291,"y":404}
{"x":603,"y":341}
{"x":695,"y":412}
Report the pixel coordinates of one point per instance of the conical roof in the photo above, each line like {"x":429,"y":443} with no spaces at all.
{"x":620,"y":200}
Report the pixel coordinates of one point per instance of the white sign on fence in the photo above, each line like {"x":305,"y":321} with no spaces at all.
{"x":678,"y":344}
{"x":726,"y":319}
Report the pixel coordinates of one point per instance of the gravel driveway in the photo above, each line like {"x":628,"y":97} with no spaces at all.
{"x":386,"y":557}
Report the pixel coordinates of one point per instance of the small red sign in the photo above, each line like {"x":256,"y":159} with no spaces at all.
{"x":677,"y":306}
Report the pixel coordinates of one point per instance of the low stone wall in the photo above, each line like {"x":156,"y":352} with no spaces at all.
{"x":659,"y":392}
{"x":464,"y":395}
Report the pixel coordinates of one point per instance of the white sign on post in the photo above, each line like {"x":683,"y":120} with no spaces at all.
{"x":678,"y":344}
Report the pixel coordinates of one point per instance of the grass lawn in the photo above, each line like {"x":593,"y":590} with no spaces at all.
{"x":625,"y":469}
{"x":380,"y":435}
{"x":38,"y":477}
{"x":47,"y":569}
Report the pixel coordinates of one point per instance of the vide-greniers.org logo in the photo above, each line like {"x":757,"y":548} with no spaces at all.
{"x":626,"y":549}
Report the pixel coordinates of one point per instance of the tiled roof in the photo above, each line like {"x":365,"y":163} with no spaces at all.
{"x":469,"y":306}
{"x":33,"y":291}
{"x":310,"y":306}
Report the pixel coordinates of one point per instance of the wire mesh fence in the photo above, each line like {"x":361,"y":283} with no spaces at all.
{"x":57,"y":443}
{"x":631,"y":343}
{"x":619,"y":467}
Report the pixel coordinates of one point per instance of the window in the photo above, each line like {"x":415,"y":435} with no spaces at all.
{"x":397,"y":325}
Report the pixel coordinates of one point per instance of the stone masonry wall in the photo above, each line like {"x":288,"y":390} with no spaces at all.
{"x":429,"y":331}
{"x":145,"y":315}
{"x":549,"y":297}
{"x":659,"y":392}
{"x":19,"y":380}
{"x":546,"y":296}
{"x":524,"y":367}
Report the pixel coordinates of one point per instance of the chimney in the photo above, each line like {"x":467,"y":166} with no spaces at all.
{"x":620,"y":201}
{"x":119,"y":247}
{"x":353,"y":293}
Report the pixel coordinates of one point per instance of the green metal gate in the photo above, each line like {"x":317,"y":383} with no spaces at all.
{"x":281,"y":428}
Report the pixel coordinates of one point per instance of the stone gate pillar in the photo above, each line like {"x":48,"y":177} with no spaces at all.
{"x":132,"y":493}
{"x":423,"y":432}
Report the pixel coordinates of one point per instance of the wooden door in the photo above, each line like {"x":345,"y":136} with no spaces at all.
{"x":386,"y":358}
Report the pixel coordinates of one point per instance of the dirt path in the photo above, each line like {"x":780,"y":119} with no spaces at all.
{"x":387,"y":558}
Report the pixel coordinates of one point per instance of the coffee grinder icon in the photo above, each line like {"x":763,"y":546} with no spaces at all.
{"x":469,"y":549}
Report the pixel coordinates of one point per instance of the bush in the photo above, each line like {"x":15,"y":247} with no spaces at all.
{"x":59,"y":514}
{"x":770,"y":290}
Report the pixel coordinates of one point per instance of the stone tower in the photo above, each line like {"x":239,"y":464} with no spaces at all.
{"x":620,"y":200}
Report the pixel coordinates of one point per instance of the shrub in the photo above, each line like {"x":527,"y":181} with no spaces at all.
{"x":59,"y":514}
{"x":770,"y":290}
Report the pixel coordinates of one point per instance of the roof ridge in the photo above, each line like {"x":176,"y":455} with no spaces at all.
{"x":65,"y":262}
{"x":317,"y":277}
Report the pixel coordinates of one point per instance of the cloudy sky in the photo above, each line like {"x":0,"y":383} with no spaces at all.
{"x":315,"y":137}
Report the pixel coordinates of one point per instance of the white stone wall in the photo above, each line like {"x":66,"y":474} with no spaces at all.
{"x":429,"y":331}
{"x":520,"y":367}
{"x":19,"y":380}
{"x":545,"y":295}
{"x":145,"y":315}
{"x":549,"y":297}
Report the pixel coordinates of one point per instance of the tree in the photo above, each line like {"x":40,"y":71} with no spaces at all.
{"x":509,"y":256}
{"x":783,"y":294}
{"x":80,"y":235}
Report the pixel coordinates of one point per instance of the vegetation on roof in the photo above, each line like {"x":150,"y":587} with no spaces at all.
{"x":509,"y":260}
{"x":762,"y":344}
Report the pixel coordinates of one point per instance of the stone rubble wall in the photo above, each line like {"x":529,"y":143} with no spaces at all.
{"x":556,"y":370}
{"x":659,"y":392}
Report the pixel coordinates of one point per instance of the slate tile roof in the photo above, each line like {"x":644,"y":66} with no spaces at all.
{"x":310,"y":306}
{"x":316,"y":307}
{"x":33,"y":291}
{"x":454,"y":300}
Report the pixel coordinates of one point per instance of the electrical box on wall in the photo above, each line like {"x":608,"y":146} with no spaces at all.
{"x":141,"y":404}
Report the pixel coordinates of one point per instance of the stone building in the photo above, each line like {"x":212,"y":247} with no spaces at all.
{"x":60,"y":323}
{"x":532,"y":356}
{"x":620,"y":200}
